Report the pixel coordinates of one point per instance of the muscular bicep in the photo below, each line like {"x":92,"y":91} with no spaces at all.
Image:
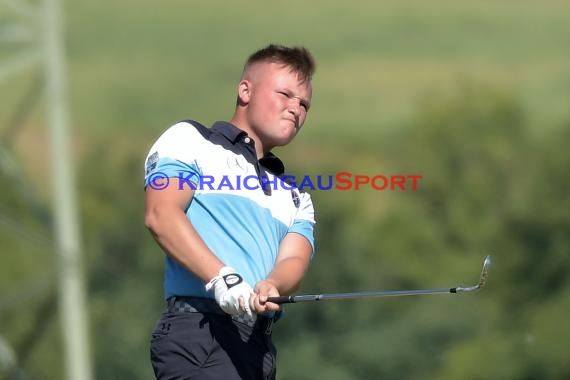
{"x":295,"y":246}
{"x":162,"y":205}
{"x":172,"y":196}
{"x":166,"y":219}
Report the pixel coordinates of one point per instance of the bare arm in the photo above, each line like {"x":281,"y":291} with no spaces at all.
{"x":166,"y":220}
{"x":292,"y":263}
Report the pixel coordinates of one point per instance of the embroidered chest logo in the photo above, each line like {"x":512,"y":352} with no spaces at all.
{"x":235,"y":163}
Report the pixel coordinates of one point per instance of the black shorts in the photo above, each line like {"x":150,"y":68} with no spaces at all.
{"x":210,"y":345}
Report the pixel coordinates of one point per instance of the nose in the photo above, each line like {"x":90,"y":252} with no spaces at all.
{"x":295,"y":106}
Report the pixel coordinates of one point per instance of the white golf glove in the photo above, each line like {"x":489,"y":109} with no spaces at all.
{"x":229,"y":287}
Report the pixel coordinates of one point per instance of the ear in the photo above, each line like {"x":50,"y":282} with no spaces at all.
{"x":244,"y":91}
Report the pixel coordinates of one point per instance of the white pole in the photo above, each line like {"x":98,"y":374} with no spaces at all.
{"x":73,"y":304}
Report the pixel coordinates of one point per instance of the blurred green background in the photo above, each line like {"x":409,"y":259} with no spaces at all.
{"x":474,"y":96}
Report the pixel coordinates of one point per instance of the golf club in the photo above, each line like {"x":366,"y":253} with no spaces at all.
{"x":387,"y":293}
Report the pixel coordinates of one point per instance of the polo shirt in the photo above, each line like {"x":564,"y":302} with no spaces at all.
{"x":241,"y":208}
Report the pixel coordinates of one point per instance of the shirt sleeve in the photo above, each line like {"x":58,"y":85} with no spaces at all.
{"x":304,"y":222}
{"x":175,"y":154}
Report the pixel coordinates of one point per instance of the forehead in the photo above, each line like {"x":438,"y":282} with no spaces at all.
{"x":279,"y":75}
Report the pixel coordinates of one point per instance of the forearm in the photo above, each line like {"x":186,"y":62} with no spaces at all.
{"x":179,"y":240}
{"x":287,"y":274}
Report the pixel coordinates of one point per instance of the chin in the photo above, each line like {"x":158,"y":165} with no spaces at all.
{"x":281,"y":137}
{"x":282,"y":140}
{"x":286,"y":138}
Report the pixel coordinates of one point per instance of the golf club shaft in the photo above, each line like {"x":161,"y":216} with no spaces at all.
{"x":336,"y":296}
{"x":387,"y":293}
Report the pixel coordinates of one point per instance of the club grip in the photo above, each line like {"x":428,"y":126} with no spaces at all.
{"x":281,"y":299}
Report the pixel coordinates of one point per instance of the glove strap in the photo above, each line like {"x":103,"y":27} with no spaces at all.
{"x":210,"y":284}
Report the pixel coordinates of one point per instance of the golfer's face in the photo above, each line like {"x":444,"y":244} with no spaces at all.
{"x":279,"y":103}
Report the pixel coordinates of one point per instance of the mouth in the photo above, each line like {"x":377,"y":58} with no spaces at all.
{"x":294,"y":123}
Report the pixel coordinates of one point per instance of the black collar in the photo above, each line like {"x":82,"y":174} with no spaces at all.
{"x":272,"y":163}
{"x":229,"y":131}
{"x":235,"y":136}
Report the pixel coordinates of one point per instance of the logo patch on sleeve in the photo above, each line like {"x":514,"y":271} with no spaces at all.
{"x":151,"y":162}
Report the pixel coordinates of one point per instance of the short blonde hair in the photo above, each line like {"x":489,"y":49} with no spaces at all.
{"x":299,"y":59}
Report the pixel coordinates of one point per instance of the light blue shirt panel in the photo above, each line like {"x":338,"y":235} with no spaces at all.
{"x":241,"y":234}
{"x":179,"y":282}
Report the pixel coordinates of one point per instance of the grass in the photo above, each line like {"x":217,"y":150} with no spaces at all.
{"x":149,"y":65}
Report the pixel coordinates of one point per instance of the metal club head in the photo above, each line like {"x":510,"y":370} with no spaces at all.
{"x":482,"y":279}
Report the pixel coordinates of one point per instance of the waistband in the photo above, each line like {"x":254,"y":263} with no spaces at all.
{"x":178,"y":304}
